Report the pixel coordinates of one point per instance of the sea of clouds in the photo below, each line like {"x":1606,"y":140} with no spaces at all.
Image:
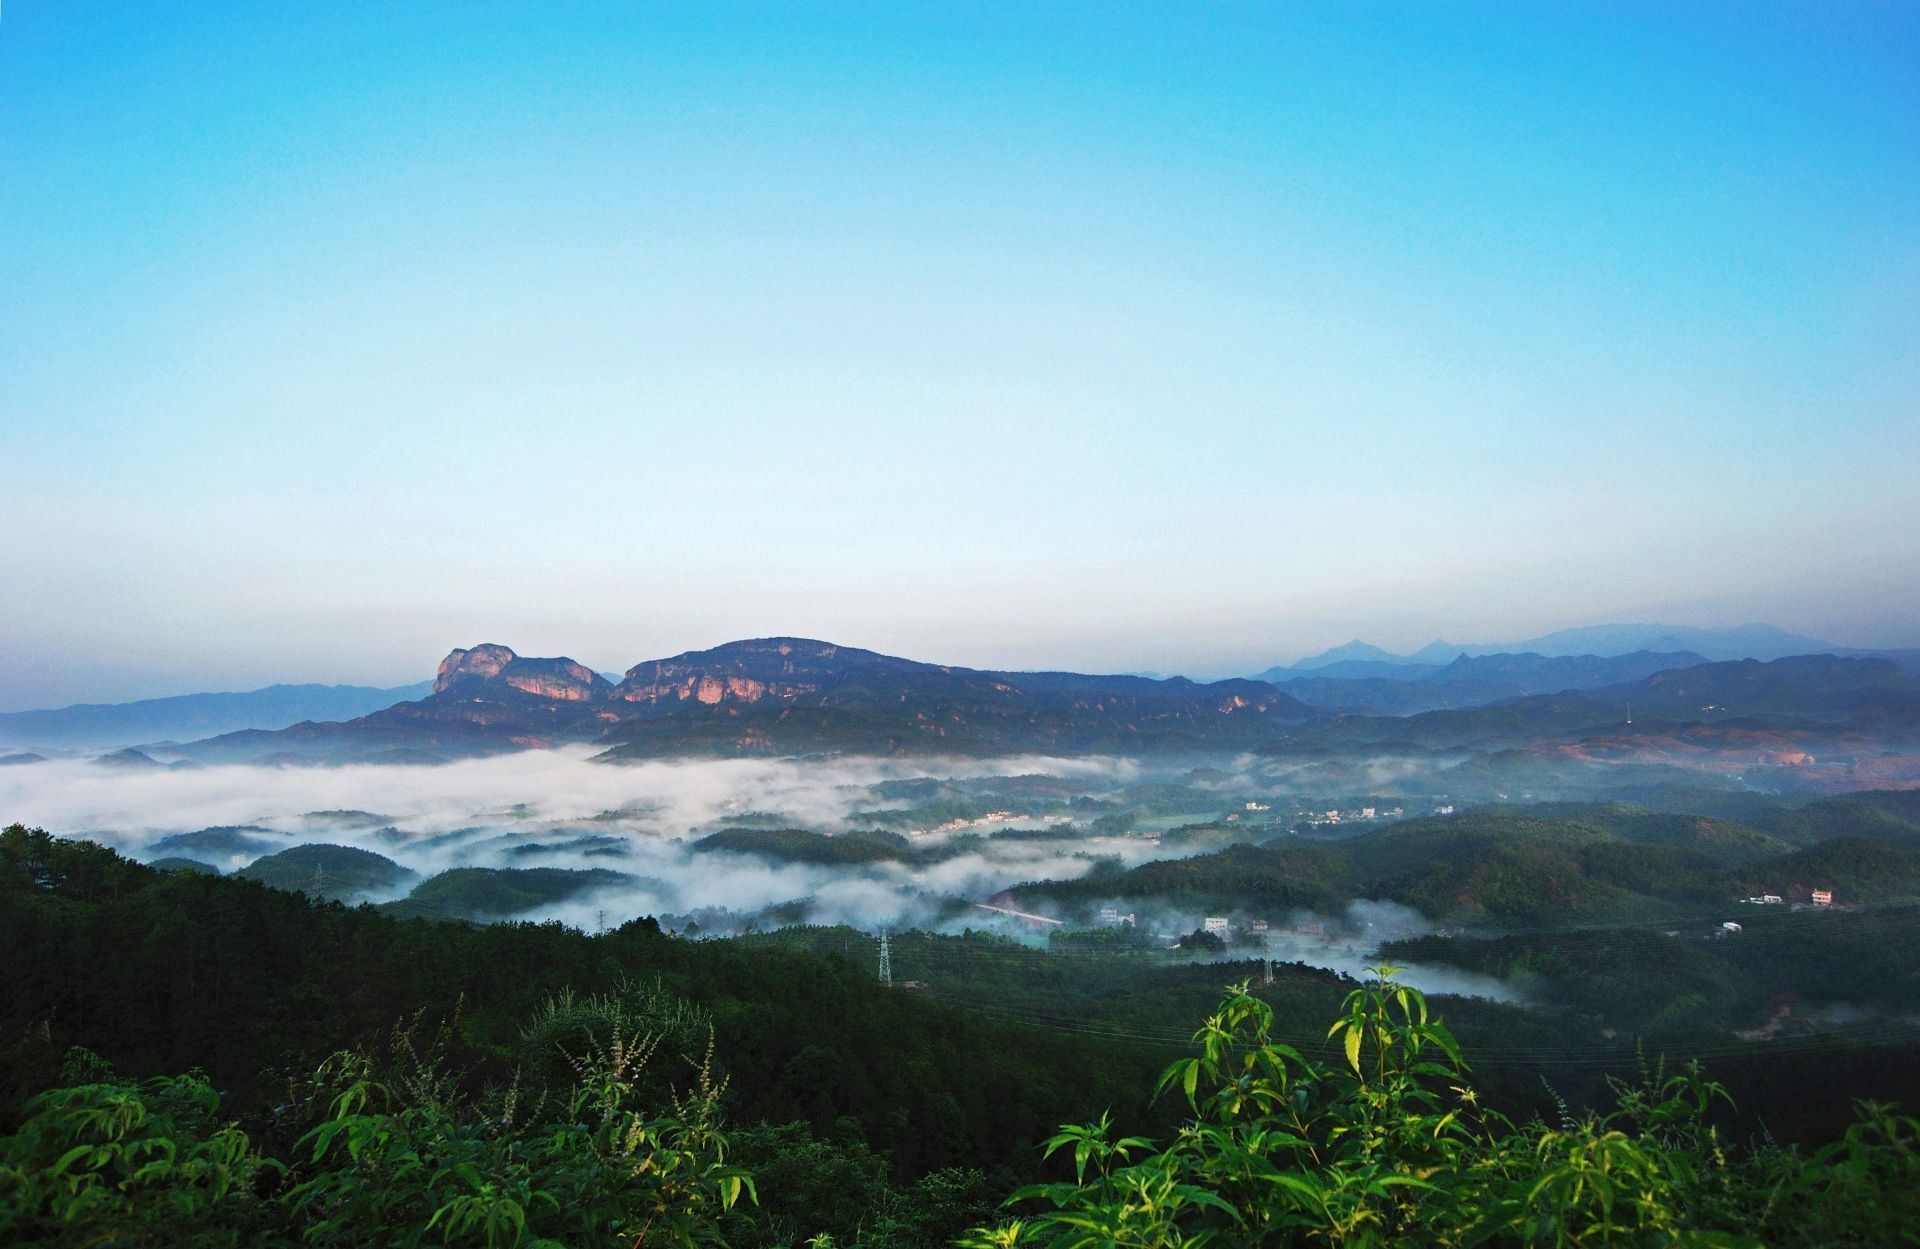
{"x":524,"y":810}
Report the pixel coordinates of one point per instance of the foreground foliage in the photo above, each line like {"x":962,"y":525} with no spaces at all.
{"x":389,"y":1155}
{"x":1387,"y":1146}
{"x":1392,"y":1147}
{"x":552,"y":1088}
{"x":161,"y":972}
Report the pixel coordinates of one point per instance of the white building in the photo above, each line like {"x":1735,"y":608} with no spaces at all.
{"x":1217,"y":925}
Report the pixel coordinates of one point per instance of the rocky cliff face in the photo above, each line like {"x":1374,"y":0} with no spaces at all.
{"x":560,"y":679}
{"x":482,"y":663}
{"x":672,"y":684}
{"x":488,"y":667}
{"x":748,"y":672}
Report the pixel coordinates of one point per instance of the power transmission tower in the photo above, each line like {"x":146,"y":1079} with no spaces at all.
{"x":1266,"y":970}
{"x":886,"y":960}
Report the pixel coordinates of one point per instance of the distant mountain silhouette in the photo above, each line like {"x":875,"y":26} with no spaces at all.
{"x":1768,"y":703}
{"x":1473,"y":681}
{"x":1752,"y":641}
{"x":190,"y":716}
{"x":1354,"y":652}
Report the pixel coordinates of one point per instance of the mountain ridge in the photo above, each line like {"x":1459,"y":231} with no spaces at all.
{"x":780,"y":695}
{"x":1477,"y":680}
{"x":192,"y":716}
{"x":1747,"y":705}
{"x":787,"y":697}
{"x":1715,"y":644}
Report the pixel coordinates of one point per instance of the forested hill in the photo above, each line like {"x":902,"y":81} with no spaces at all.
{"x":1469,"y":681}
{"x":165,"y":971}
{"x":212,"y":1062}
{"x":1746,"y":706}
{"x":1524,"y":866}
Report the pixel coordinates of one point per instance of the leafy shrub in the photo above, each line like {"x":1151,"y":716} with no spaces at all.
{"x":387,"y":1157}
{"x":113,"y":1162}
{"x":601,"y":1167}
{"x":1392,"y":1147}
{"x":569,"y":1024}
{"x":1383,"y":1142}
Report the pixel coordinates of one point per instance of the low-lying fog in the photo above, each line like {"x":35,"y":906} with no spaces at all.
{"x":557,"y":809}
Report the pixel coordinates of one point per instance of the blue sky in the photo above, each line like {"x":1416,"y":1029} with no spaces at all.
{"x":1108,"y":336}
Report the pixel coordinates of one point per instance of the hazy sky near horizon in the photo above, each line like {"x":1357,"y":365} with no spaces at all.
{"x":1174,"y":337}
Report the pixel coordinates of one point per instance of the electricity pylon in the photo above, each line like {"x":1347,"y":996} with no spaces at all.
{"x":886,"y":960}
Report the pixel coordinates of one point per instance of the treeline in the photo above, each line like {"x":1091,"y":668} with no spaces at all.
{"x":1387,"y":1143}
{"x":166,"y":972}
{"x":192,"y":1059}
{"x":1854,"y":963}
{"x":1390,"y":1145}
{"x":599,"y":1143}
{"x":1530,"y":867}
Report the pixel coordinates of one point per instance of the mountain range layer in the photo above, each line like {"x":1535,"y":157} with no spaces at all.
{"x":190,"y":716}
{"x":796,"y":696}
{"x":780,"y":696}
{"x":1752,"y":641}
{"x":1781,"y":707}
{"x":1469,"y":681}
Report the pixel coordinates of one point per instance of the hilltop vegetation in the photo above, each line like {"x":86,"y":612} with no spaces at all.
{"x":1516,"y":868}
{"x":1893,"y":815}
{"x":1858,"y":869}
{"x":489,"y":893}
{"x":160,"y":973}
{"x":793,"y":845}
{"x":1780,"y":975}
{"x":323,"y":871}
{"x":1388,"y":1144}
{"x":183,"y":865}
{"x":1726,"y":840}
{"x":221,"y":841}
